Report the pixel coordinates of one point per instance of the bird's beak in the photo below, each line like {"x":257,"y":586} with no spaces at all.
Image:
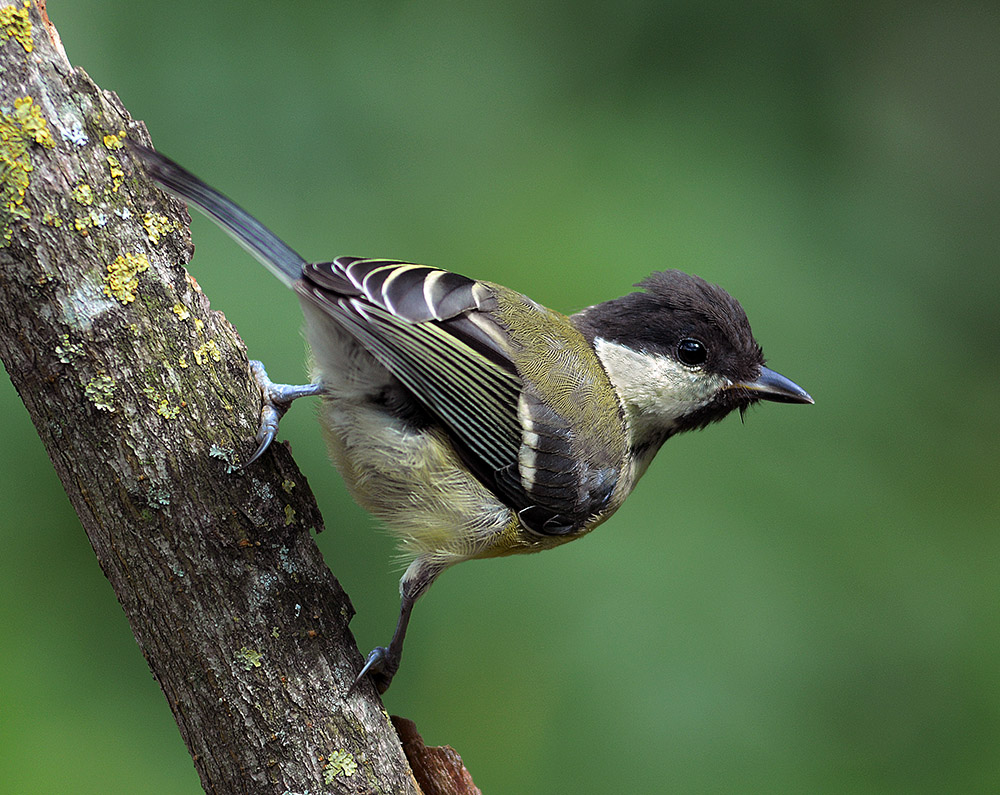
{"x":774,"y":386}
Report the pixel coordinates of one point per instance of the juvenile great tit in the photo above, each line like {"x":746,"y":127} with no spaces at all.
{"x":476,"y":423}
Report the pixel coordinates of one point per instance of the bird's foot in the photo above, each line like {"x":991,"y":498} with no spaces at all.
{"x":380,"y":667}
{"x":277,"y":399}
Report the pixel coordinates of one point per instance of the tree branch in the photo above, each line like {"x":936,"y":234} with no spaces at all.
{"x":142,"y":396}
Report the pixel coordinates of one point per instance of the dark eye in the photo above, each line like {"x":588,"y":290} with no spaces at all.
{"x":692,"y":352}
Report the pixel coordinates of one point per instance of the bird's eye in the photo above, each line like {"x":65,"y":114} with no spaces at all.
{"x":692,"y":352}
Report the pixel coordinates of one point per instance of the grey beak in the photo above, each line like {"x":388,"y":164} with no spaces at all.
{"x":774,"y":386}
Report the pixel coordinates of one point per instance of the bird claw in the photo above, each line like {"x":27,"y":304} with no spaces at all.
{"x":277,"y":399}
{"x":380,"y":667}
{"x":270,"y":415}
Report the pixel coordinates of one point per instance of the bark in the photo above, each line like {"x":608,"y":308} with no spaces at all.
{"x":439,"y":769}
{"x":142,"y":396}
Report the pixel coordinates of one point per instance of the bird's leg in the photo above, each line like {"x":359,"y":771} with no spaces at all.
{"x":277,"y":399}
{"x":383,"y":661}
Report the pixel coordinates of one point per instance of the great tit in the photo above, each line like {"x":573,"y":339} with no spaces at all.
{"x":476,"y":423}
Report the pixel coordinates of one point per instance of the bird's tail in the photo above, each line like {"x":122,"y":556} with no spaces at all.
{"x":272,"y":252}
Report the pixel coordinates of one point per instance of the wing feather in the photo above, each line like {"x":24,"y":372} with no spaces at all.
{"x":433,"y":330}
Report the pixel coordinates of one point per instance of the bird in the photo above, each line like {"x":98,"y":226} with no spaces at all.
{"x":476,"y":423}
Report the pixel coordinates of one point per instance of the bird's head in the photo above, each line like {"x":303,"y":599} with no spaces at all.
{"x":681,"y":355}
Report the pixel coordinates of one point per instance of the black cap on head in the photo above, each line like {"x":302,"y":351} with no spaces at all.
{"x":675,"y":307}
{"x":703,"y":329}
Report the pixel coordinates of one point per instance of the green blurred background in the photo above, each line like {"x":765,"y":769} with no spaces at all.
{"x":804,"y":603}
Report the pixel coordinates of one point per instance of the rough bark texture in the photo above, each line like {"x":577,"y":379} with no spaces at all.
{"x":439,"y":769}
{"x":143,"y":399}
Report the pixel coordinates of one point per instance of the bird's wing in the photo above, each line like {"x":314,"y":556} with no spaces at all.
{"x":436,"y":332}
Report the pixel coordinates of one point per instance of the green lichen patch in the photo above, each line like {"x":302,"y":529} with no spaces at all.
{"x":181,"y":311}
{"x":250,"y":658}
{"x":339,"y":763}
{"x":100,"y":391}
{"x":163,"y":407}
{"x":122,"y":279}
{"x":227,"y":455}
{"x":16,"y":24}
{"x":83,"y":194}
{"x":52,"y":219}
{"x":158,"y":498}
{"x":67,"y":350}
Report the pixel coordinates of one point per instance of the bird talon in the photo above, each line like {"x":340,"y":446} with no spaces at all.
{"x":380,"y":668}
{"x":376,"y":658}
{"x":276,"y":400}
{"x":269,"y":417}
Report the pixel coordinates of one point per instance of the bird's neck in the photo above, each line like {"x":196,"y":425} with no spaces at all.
{"x":653,"y":392}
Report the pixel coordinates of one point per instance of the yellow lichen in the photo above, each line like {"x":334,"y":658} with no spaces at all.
{"x":289,"y":515}
{"x":199,"y":324}
{"x":83,"y":223}
{"x":182,"y":362}
{"x":18,"y":130}
{"x":15,"y":24}
{"x":114,"y":141}
{"x":122,"y":279}
{"x":157,"y":225}
{"x":181,"y":311}
{"x":83,"y":194}
{"x":33,"y":124}
{"x":164,"y":409}
{"x":50,"y":218}
{"x":117,"y":174}
{"x":207,"y":351}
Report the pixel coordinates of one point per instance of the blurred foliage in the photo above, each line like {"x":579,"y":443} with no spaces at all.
{"x":807,"y":603}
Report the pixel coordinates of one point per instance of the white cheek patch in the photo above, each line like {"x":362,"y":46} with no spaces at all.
{"x":656,"y":391}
